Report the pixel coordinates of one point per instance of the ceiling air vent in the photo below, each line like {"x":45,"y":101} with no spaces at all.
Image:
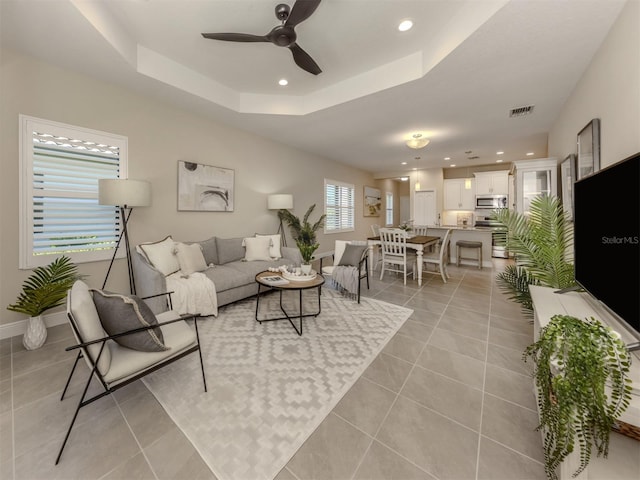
{"x":521,"y":111}
{"x":473,"y":157}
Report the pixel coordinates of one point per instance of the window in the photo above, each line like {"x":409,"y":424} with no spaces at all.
{"x":389,"y":209}
{"x":339,"y":207}
{"x":59,"y":212}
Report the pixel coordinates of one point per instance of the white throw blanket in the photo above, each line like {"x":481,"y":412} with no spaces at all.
{"x":346,"y":278}
{"x":195,"y":293}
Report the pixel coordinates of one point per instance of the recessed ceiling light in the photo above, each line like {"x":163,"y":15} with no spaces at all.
{"x":283,"y":82}
{"x":404,"y":179}
{"x":529,"y":154}
{"x":498,"y":161}
{"x":452,"y":165}
{"x":403,"y":163}
{"x":499,"y":153}
{"x":447,"y":158}
{"x":405,"y":25}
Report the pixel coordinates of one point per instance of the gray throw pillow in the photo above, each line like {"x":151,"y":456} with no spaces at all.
{"x":352,"y":254}
{"x":210,"y":251}
{"x":229,"y":250}
{"x":120,"y":313}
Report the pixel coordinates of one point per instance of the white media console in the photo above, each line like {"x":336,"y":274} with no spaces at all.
{"x":623,"y":461}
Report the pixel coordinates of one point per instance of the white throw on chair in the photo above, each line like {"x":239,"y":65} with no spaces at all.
{"x":395,"y":257}
{"x":355,"y":259}
{"x":439,"y":258}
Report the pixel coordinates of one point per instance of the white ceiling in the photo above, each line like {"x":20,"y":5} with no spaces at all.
{"x":454,"y":76}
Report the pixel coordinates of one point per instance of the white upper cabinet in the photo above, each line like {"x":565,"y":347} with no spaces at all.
{"x":492,"y":183}
{"x":459,"y":194}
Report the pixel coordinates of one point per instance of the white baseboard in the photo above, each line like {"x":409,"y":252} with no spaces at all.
{"x":18,"y":328}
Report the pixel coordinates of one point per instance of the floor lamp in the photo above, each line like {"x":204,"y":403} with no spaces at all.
{"x":125,"y":194}
{"x":281,"y":201}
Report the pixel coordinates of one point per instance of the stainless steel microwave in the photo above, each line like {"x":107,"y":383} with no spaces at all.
{"x":491,"y":201}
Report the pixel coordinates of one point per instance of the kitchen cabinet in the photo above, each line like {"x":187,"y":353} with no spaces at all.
{"x":492,"y":183}
{"x":534,"y":178}
{"x":459,"y":194}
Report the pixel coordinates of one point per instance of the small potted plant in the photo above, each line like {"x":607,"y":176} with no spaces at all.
{"x":581,"y":369}
{"x":304,"y":234}
{"x":45,"y":288}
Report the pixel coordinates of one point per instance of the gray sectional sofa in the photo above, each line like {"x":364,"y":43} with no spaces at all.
{"x":234,"y":278}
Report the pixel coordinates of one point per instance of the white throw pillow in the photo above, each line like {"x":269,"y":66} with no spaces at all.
{"x":274,"y":250}
{"x":190,"y":258}
{"x":257,"y":248}
{"x":161,"y":255}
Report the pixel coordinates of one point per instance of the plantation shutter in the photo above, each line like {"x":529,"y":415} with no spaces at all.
{"x":62,"y":213}
{"x":339,"y":207}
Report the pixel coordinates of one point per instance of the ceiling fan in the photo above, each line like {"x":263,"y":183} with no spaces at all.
{"x":282,"y":35}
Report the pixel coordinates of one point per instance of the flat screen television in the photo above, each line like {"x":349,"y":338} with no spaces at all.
{"x":607,"y":238}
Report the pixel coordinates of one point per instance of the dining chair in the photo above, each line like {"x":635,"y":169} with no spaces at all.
{"x":395,"y":257}
{"x":376,"y":258}
{"x":419,"y":230}
{"x":438,"y":258}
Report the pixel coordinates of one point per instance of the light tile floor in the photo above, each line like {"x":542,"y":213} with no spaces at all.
{"x":449,"y":398}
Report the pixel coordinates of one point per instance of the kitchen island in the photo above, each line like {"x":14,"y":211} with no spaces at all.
{"x":475,"y":234}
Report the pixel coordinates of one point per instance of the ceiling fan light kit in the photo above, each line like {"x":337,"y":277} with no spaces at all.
{"x":283,"y":35}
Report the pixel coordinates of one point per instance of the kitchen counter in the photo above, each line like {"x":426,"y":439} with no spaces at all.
{"x":478,"y":234}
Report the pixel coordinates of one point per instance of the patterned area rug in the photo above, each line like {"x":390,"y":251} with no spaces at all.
{"x":268,"y":387}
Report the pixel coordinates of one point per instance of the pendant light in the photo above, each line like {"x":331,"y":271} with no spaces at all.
{"x":417,"y":173}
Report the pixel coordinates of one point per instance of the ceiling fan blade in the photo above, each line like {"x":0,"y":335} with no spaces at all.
{"x":236,"y":37}
{"x":304,"y":60}
{"x":300,"y":11}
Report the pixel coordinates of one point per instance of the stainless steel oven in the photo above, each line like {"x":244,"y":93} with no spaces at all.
{"x":498,"y":236}
{"x":490,"y":202}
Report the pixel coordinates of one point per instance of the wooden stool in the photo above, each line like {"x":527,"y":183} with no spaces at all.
{"x":460,"y":244}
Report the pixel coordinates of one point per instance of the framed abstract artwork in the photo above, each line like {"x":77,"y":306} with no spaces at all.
{"x":588,"y":149}
{"x":204,"y":188}
{"x":372,"y":202}
{"x":568,"y":177}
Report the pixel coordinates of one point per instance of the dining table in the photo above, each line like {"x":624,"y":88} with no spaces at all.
{"x":418,"y":243}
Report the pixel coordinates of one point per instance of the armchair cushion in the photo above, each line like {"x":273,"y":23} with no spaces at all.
{"x":120,"y":313}
{"x":352,"y":254}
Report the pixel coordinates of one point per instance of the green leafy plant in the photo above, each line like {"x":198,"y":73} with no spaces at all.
{"x":303,"y":232}
{"x":540,"y":243}
{"x":581,"y":373}
{"x":46,"y":287}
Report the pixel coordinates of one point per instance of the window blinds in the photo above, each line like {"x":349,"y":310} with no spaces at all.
{"x":339,"y":206}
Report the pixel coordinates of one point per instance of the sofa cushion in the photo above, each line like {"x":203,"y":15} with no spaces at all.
{"x":229,"y":250}
{"x":257,"y":248}
{"x":274,"y":249}
{"x":161,"y":255}
{"x":225,"y":277}
{"x":210,"y":251}
{"x":190,"y":258}
{"x":120,"y":313}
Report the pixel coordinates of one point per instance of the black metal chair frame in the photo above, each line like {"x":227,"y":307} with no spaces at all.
{"x":103,"y":341}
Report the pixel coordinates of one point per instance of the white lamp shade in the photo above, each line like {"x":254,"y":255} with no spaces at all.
{"x":280,"y":201}
{"x":121,"y":192}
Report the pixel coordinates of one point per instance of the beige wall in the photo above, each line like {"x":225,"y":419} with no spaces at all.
{"x":608,"y":90}
{"x":159,"y":135}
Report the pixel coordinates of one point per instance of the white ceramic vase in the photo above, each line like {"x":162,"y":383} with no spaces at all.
{"x":36,"y":333}
{"x":305,"y":268}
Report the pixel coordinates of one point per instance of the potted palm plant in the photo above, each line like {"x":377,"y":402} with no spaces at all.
{"x":45,"y":288}
{"x":304,"y":234}
{"x":581,"y":370}
{"x":540,"y":242}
